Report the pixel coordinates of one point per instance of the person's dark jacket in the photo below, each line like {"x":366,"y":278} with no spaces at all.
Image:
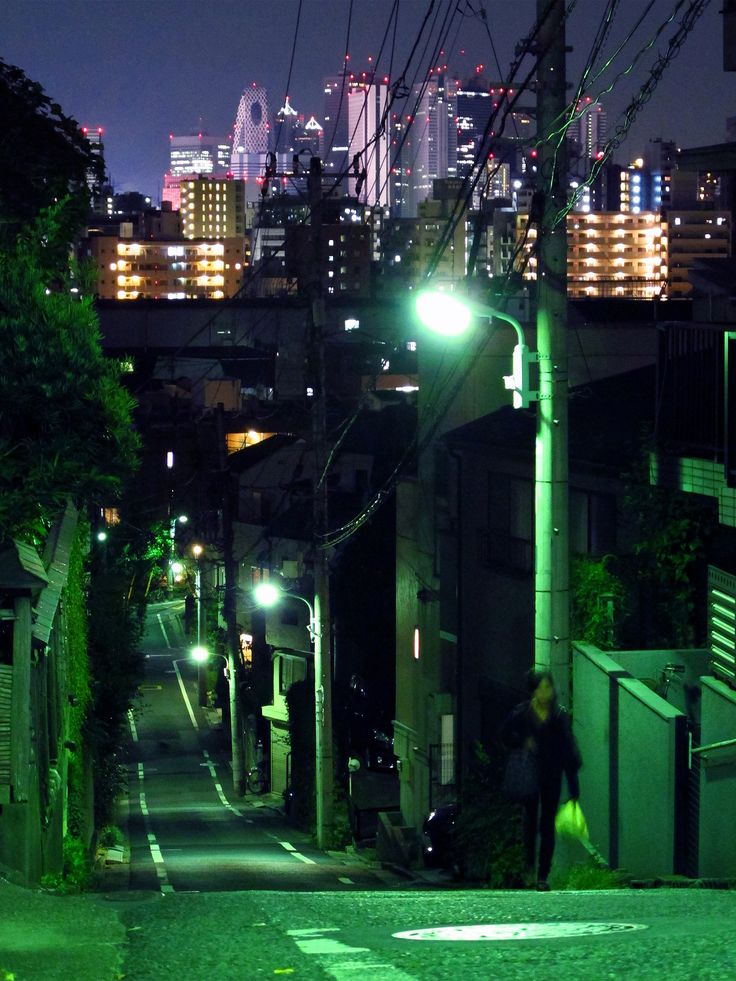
{"x":554,"y":744}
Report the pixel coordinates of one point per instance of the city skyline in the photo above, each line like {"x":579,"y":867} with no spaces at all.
{"x":146,"y":70}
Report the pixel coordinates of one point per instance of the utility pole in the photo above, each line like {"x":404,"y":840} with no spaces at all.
{"x":324,"y":773}
{"x":229,"y":611}
{"x":201,"y":631}
{"x":551,"y":532}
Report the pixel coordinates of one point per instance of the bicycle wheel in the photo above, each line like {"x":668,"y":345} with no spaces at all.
{"x":256,"y":781}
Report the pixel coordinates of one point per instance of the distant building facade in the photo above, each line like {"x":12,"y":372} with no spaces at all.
{"x":130,"y":269}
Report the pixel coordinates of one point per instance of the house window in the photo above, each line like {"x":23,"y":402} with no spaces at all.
{"x":508,"y":542}
{"x":290,"y":670}
{"x":592,"y":522}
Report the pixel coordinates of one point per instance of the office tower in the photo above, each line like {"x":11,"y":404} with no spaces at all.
{"x":252,"y":137}
{"x":287,"y":127}
{"x":368,"y":139}
{"x":355,"y":110}
{"x":198,"y":153}
{"x":292,"y":136}
{"x":428,"y":142}
{"x":336,"y":130}
{"x":489,"y":122}
{"x":96,"y":145}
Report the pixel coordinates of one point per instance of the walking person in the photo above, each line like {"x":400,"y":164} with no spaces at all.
{"x":542,"y":727}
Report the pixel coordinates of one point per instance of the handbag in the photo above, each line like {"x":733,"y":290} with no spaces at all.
{"x":520,"y":780}
{"x":570,"y":821}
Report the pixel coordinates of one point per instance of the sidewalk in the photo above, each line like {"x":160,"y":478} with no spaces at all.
{"x":58,"y":938}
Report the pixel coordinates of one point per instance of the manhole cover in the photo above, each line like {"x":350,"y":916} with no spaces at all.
{"x":518,"y":931}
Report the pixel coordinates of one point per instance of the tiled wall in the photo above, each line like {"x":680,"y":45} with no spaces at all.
{"x":696,"y":476}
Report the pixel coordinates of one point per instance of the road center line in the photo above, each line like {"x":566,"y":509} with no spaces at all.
{"x":154,"y":847}
{"x":133,"y":729}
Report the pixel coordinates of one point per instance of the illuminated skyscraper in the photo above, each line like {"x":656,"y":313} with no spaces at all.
{"x":429,"y":148}
{"x":586,"y":134}
{"x":336,"y":123}
{"x":198,"y":153}
{"x":368,"y":131}
{"x":252,"y":136}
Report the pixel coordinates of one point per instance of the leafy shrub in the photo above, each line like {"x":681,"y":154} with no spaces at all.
{"x":76,"y":873}
{"x":488,"y":829}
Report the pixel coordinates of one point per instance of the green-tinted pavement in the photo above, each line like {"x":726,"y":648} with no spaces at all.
{"x":70,"y":938}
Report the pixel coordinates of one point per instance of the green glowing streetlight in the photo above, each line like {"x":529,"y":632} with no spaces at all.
{"x":450,"y":316}
{"x":200,"y":654}
{"x":267,"y":594}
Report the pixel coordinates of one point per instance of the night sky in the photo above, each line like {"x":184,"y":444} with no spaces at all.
{"x":145,"y":68}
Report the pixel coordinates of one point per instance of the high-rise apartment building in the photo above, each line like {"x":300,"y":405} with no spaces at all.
{"x":638,"y":255}
{"x":690,"y":236}
{"x":608,"y":254}
{"x":212,"y":208}
{"x":586,"y":134}
{"x":129,"y":269}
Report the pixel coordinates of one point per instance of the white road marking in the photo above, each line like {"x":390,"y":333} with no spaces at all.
{"x":185,"y":696}
{"x":154,"y":847}
{"x":288,"y":846}
{"x":315,"y":942}
{"x":344,"y":878}
{"x":303,"y":858}
{"x":163,"y":629}
{"x":131,"y":723}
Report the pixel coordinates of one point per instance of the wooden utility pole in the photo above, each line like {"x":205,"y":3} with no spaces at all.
{"x":324,"y":772}
{"x":551,"y":616}
{"x":229,"y":611}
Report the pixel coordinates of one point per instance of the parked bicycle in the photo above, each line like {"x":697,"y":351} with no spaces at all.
{"x":257,"y":780}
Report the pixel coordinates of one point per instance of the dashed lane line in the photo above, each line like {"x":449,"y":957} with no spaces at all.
{"x":153,"y":845}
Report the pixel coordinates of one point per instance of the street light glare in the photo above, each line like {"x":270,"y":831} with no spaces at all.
{"x":267,"y":594}
{"x":442,"y":313}
{"x":200,"y":654}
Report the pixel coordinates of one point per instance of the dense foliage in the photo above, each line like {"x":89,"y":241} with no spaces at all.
{"x":44,"y":156}
{"x":650,"y":596}
{"x":65,"y":419}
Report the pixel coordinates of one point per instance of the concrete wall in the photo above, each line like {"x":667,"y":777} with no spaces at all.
{"x":595,"y":724}
{"x":683,"y":691}
{"x":634,"y":748}
{"x":717,"y":841}
{"x":649,"y":751}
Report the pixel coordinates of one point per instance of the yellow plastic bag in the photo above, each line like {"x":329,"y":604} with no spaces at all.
{"x":570,"y":821}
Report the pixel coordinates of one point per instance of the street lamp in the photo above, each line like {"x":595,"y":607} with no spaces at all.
{"x":451,"y":316}
{"x":267,"y":594}
{"x":448,"y":315}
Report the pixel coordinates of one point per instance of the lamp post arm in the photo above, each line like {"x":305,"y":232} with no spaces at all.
{"x":485,"y":311}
